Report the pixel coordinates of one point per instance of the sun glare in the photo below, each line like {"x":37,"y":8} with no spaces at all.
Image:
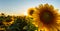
{"x":25,"y":13}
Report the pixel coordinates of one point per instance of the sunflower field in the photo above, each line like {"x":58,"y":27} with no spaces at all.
{"x":42,"y":18}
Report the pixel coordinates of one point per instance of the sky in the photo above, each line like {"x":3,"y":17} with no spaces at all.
{"x":17,"y":7}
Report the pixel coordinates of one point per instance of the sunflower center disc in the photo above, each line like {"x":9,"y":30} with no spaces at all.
{"x":46,"y":17}
{"x":31,"y":12}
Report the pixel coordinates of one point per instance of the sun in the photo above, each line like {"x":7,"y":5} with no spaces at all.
{"x":46,"y":17}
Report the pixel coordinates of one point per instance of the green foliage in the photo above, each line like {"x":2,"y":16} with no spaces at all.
{"x":18,"y":24}
{"x":21,"y":23}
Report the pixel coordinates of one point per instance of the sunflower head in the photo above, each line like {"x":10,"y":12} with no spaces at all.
{"x":8,"y":22}
{"x":47,"y":15}
{"x":31,"y":11}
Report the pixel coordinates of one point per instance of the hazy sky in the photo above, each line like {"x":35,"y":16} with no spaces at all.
{"x":21,"y":6}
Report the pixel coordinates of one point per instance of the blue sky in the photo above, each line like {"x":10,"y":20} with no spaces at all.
{"x":18,"y":7}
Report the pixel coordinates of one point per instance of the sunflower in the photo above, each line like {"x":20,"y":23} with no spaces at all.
{"x":46,"y":18}
{"x":31,"y":11}
{"x":8,"y":22}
